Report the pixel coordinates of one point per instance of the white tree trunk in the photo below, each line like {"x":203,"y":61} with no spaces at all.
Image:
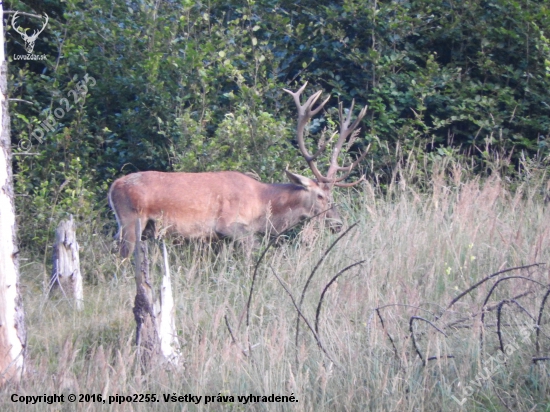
{"x":12,"y":326}
{"x":166,"y":316}
{"x":66,"y":277}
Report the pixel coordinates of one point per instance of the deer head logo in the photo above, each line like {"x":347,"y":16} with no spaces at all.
{"x":29,"y":40}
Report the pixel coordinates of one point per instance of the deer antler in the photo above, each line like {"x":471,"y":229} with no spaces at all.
{"x":305,"y":113}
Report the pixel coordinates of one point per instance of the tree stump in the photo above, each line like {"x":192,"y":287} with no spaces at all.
{"x":66,"y":277}
{"x":155,"y":324}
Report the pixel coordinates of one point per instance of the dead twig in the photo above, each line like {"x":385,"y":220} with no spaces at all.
{"x":387,"y":333}
{"x":311,"y":277}
{"x":499,"y":316}
{"x":411,"y":329}
{"x":539,"y":320}
{"x":341,"y":272}
{"x":502,"y":400}
{"x":487,"y":309}
{"x":493,"y":288}
{"x":499,"y":333}
{"x":500,"y":272}
{"x":317,"y":339}
{"x":271,"y":243}
{"x":233,"y":336}
{"x":377,"y":310}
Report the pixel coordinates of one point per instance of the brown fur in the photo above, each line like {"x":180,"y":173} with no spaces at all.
{"x":214,"y":205}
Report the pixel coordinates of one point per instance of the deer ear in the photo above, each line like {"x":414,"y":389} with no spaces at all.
{"x":303,"y":181}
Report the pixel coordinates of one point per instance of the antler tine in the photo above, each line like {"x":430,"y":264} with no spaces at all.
{"x":306,"y":109}
{"x":320,"y":106}
{"x":322,"y":146}
{"x":37,"y":32}
{"x":345,"y":130}
{"x":360,"y":116}
{"x":317,"y":173}
{"x":351,"y":184}
{"x":305,"y":113}
{"x":344,"y":123}
{"x":300,"y":90}
{"x":349,"y":168}
{"x":296,"y":97}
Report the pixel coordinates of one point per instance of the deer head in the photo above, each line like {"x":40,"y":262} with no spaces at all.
{"x":29,"y":40}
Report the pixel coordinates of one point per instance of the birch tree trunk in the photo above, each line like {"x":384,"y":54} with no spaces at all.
{"x":12,"y":325}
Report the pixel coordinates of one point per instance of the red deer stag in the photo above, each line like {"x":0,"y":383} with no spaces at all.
{"x":231,"y":204}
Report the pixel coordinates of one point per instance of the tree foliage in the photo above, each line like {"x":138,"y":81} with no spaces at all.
{"x":196,"y":86}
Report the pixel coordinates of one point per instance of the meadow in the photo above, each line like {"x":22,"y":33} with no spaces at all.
{"x":387,"y":329}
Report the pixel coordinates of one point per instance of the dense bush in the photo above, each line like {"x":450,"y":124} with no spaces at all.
{"x":198,"y":86}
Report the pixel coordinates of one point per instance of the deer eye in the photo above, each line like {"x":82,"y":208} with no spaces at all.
{"x":320,"y":197}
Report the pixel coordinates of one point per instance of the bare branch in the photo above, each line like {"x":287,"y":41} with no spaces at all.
{"x":387,"y":333}
{"x":22,"y":13}
{"x":271,"y":243}
{"x":313,"y":273}
{"x":539,"y":319}
{"x":233,"y":336}
{"x":493,"y":288}
{"x":300,"y":314}
{"x":318,"y":312}
{"x":20,"y":101}
{"x":500,"y":272}
{"x":413,"y":318}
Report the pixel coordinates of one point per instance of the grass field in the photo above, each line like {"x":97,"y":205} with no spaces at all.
{"x":419,"y":249}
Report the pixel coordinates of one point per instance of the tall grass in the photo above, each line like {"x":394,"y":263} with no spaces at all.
{"x":421,"y":249}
